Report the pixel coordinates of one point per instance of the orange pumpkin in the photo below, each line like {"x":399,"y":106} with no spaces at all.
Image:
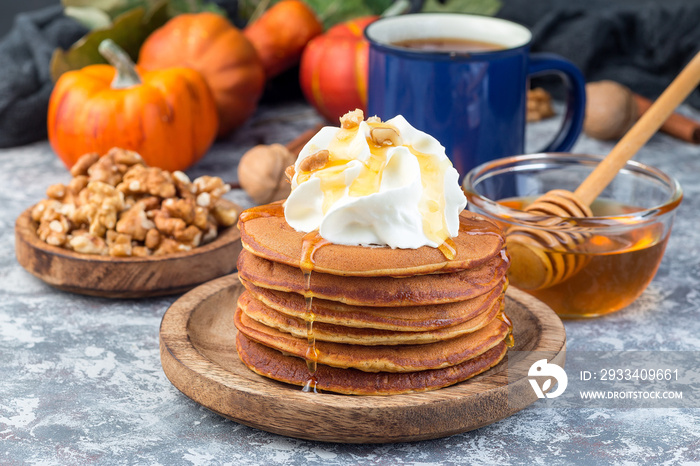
{"x":333,"y":71}
{"x":208,"y":43}
{"x":167,"y":116}
{"x":281,"y":33}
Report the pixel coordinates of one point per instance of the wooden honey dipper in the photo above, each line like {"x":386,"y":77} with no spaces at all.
{"x":538,"y":257}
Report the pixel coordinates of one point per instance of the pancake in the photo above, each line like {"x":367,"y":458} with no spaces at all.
{"x":417,"y":290}
{"x":395,"y":358}
{"x":265,"y":233}
{"x":297,"y":327}
{"x":406,"y":318}
{"x":273,"y":364}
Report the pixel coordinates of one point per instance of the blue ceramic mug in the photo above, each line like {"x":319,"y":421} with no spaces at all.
{"x":474,"y":103}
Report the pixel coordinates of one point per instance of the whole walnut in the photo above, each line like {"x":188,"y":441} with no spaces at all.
{"x":610,"y":110}
{"x":261,"y":172}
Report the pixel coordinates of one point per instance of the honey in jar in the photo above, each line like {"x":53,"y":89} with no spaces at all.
{"x":616,"y":262}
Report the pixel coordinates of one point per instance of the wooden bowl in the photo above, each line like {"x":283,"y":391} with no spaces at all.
{"x":124,"y":277}
{"x":198,"y":355}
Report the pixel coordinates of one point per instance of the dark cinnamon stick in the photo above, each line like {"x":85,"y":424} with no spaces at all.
{"x":676,"y":125}
{"x":297,"y":144}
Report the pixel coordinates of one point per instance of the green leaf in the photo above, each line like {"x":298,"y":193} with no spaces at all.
{"x":129,"y":31}
{"x":113,"y":8}
{"x":91,"y":18}
{"x":330,"y":12}
{"x":177,"y":7}
{"x":246,"y":8}
{"x":104,"y":5}
{"x":478,"y":7}
{"x":338,"y":11}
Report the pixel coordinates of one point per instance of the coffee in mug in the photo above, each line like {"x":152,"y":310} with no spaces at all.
{"x":448,"y":44}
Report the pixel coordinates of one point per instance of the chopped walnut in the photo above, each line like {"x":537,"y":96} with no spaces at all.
{"x":54,"y":231}
{"x":117,"y":205}
{"x":119,"y":244}
{"x":153,"y":239}
{"x":147,"y":180}
{"x":134,"y":222}
{"x":374,"y":119}
{"x":185,"y":188}
{"x":81,"y":166}
{"x":56,"y":191}
{"x":315,"y":161}
{"x":352,"y":119}
{"x":46,"y":209}
{"x":212,"y":185}
{"x":289,"y":173}
{"x":385,"y":136}
{"x":539,"y":104}
{"x":83,"y":215}
{"x":140,"y":251}
{"x":86,"y":243}
{"x":201,"y":217}
{"x":107,"y":203}
{"x":125,"y":157}
{"x":204,"y":199}
{"x":67,"y":209}
{"x":106,"y":171}
{"x":67,"y":194}
{"x":225,"y":212}
{"x":170,"y":246}
{"x":168,"y":225}
{"x":76,"y":185}
{"x":191,"y":236}
{"x":180,"y":208}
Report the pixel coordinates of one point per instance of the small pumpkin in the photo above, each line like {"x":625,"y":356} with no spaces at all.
{"x":333,"y":71}
{"x":167,"y":116}
{"x":208,"y":43}
{"x":281,"y":33}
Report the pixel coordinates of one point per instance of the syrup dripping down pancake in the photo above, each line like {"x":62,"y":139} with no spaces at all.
{"x":406,"y":318}
{"x":391,"y":358}
{"x":265,"y":233}
{"x":417,"y":290}
{"x":297,"y":327}
{"x":275,"y":365}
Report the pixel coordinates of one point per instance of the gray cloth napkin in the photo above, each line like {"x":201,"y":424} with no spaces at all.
{"x":25,"y":82}
{"x":642,"y":44}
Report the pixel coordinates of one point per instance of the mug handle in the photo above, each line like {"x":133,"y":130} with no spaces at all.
{"x":549,"y":63}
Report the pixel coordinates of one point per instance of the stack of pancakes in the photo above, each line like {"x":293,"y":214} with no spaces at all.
{"x":382,"y":321}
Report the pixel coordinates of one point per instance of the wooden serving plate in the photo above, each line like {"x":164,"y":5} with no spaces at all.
{"x":198,"y":354}
{"x":124,"y":277}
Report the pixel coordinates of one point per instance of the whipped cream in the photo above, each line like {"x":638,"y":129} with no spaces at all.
{"x":375,"y":183}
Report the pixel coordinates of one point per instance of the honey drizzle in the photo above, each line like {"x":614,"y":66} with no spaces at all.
{"x":510,"y":342}
{"x":448,"y":248}
{"x":471,"y":226}
{"x":263,"y":211}
{"x":467,"y":226}
{"x":311,"y":243}
{"x":370,"y":178}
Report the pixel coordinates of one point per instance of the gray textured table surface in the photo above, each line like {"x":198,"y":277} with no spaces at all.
{"x":81,"y":381}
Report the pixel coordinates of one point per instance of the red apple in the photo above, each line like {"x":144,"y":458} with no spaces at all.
{"x":333,"y":70}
